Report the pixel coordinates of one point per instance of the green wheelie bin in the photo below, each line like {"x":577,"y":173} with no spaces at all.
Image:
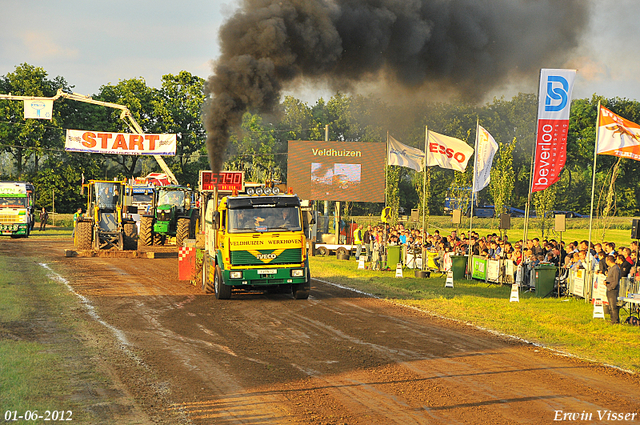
{"x":545,"y":277}
{"x":393,"y":256}
{"x":459,"y":266}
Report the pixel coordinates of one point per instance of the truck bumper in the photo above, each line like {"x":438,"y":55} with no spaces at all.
{"x":14,"y":229}
{"x":265,"y":276}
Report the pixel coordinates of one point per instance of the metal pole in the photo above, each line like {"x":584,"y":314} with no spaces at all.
{"x":473,"y":188}
{"x":424,"y":198}
{"x":424,"y":185}
{"x":326,"y":203}
{"x":386,"y":167}
{"x":535,"y":142}
{"x":593,"y":185}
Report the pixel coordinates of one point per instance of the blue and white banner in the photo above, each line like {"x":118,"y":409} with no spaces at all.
{"x":39,"y":109}
{"x":404,"y":156}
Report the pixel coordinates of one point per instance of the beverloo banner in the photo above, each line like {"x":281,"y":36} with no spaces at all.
{"x":554,"y":106}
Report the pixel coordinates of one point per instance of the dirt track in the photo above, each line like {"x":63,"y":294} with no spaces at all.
{"x":338,"y":357}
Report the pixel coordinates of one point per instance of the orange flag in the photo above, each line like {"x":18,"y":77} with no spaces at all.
{"x":618,"y":136}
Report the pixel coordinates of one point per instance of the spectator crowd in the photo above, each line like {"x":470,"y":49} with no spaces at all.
{"x":572,"y":256}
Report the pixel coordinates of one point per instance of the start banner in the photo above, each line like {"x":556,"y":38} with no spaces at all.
{"x":554,"y":106}
{"x":120,"y":143}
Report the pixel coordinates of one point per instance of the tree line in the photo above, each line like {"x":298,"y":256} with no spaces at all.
{"x":34,"y":149}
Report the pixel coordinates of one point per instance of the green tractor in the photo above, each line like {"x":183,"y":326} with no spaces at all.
{"x":106,"y":224}
{"x":172,"y":215}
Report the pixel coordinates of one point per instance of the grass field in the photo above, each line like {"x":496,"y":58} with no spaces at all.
{"x":562,"y":324}
{"x":34,"y":374}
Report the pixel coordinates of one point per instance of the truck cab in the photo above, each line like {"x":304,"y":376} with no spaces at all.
{"x":16,"y":208}
{"x":255,"y":243}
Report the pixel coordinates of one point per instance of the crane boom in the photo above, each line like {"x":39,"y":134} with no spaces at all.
{"x":125,"y":115}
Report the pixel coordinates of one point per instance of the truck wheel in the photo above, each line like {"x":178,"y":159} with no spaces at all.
{"x":323,"y":251}
{"x":207,"y":286}
{"x":223,"y":292}
{"x":84,"y":235}
{"x":182,"y":232}
{"x":146,"y":231}
{"x":301,"y":290}
{"x":130,"y":236}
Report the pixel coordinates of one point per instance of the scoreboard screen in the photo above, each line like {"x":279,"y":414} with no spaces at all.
{"x":226,"y":181}
{"x":337,"y":171}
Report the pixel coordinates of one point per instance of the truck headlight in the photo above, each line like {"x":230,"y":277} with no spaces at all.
{"x":297,"y":273}
{"x":235,"y":275}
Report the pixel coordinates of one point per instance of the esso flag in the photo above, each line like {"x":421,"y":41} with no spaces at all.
{"x":447,"y":152}
{"x":120,"y":143}
{"x":554,"y":106}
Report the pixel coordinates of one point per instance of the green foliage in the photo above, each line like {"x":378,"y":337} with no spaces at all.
{"x":393,"y":198}
{"x":544,"y":203}
{"x":502,"y":180}
{"x":259,"y":145}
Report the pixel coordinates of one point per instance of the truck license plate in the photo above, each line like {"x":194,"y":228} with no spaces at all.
{"x":267,"y":271}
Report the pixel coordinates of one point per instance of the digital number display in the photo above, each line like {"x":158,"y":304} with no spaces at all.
{"x":226,"y":181}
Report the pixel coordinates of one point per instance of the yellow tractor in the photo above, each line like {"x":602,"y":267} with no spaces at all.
{"x":107,"y":223}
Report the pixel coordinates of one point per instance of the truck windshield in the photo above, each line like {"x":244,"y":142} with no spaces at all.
{"x":107,"y":195}
{"x":279,"y":219}
{"x":142,"y":198}
{"x":171,"y":197}
{"x":13,"y":202}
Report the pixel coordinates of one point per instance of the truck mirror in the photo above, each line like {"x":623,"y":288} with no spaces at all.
{"x":216,"y":220}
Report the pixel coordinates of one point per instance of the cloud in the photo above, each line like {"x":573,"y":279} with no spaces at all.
{"x":40,"y":46}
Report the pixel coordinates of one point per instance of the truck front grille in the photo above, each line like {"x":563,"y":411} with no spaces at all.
{"x":9,"y":218}
{"x":246,"y":258}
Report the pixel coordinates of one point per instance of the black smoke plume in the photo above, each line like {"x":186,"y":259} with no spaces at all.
{"x":468,"y":46}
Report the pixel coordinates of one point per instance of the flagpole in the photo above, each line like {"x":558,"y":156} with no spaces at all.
{"x":593,"y":186}
{"x":533,"y":155}
{"x":475,"y":164}
{"x":473,"y":188}
{"x":424,"y":185}
{"x":386,"y":167}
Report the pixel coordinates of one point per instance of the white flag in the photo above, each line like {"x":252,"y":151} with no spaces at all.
{"x":38,"y":109}
{"x":448,"y":152}
{"x":486,"y":149}
{"x":404,"y":156}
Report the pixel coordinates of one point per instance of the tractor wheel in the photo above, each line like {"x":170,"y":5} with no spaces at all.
{"x":146,"y":231}
{"x":207,"y":285}
{"x":223,"y":292}
{"x":182,"y":232}
{"x":130,"y":236}
{"x":84,"y":235}
{"x":158,"y":239}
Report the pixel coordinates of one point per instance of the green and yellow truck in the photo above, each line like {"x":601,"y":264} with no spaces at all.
{"x":255,"y":243}
{"x":16,"y":208}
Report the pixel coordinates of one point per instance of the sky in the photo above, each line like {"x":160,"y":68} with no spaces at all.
{"x":92,"y":43}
